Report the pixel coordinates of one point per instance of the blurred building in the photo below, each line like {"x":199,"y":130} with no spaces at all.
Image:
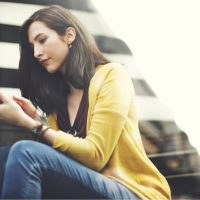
{"x":166,"y":145}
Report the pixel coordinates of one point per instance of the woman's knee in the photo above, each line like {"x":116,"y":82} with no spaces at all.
{"x":22,"y":146}
{"x":23,"y":150}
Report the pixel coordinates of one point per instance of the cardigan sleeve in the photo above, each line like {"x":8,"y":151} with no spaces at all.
{"x":107,"y":122}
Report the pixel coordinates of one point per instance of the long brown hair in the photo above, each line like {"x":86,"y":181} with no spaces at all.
{"x":49,"y":91}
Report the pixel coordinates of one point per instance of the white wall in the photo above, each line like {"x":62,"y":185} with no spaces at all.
{"x":164,"y":36}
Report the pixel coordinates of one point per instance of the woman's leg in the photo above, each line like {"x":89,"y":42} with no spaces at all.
{"x":35,"y":170}
{"x":3,"y":158}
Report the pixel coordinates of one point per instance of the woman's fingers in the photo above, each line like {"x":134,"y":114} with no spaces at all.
{"x":23,"y":102}
{"x":21,"y":99}
{"x":27,"y":106}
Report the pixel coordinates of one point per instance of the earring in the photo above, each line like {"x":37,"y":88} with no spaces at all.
{"x":70,"y":45}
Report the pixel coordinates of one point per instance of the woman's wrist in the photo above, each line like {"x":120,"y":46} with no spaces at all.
{"x":47,"y":134}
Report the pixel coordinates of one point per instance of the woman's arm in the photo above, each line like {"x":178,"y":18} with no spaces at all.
{"x":12,"y":113}
{"x":20,"y":111}
{"x":106,"y":122}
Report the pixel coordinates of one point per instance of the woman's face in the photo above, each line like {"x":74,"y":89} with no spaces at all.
{"x":50,"y":49}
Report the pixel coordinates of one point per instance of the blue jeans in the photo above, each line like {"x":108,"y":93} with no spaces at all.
{"x":3,"y":158}
{"x":35,"y":170}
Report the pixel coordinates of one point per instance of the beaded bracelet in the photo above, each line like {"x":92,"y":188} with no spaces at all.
{"x":37,"y":132}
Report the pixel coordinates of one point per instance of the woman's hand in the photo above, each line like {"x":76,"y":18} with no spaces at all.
{"x":12,"y":113}
{"x":27,"y":107}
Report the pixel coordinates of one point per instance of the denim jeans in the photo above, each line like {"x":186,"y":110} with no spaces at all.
{"x":35,"y":170}
{"x":3,"y":158}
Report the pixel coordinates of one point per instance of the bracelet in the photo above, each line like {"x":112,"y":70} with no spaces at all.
{"x":43,"y":132}
{"x":37,"y":132}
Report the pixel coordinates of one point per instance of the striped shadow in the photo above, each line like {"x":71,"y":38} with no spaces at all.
{"x":81,"y":5}
{"x":11,"y":50}
{"x":10,"y":33}
{"x":24,"y":11}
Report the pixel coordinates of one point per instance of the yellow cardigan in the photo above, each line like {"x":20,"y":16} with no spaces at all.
{"x":113,"y":144}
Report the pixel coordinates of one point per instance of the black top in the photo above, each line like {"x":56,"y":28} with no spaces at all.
{"x":78,"y":129}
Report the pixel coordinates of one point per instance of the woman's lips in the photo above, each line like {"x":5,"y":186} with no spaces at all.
{"x":45,"y":61}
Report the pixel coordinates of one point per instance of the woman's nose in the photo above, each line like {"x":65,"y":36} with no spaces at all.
{"x":37,"y":52}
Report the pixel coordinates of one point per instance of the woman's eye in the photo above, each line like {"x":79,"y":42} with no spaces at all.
{"x":42,"y":40}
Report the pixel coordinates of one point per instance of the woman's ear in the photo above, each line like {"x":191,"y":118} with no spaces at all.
{"x":70,"y":35}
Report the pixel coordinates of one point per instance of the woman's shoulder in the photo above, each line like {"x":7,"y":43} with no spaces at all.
{"x":110,"y":72}
{"x":110,"y":66}
{"x":113,"y":69}
{"x":110,"y":69}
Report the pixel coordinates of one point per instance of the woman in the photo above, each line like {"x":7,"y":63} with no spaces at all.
{"x":91,"y":146}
